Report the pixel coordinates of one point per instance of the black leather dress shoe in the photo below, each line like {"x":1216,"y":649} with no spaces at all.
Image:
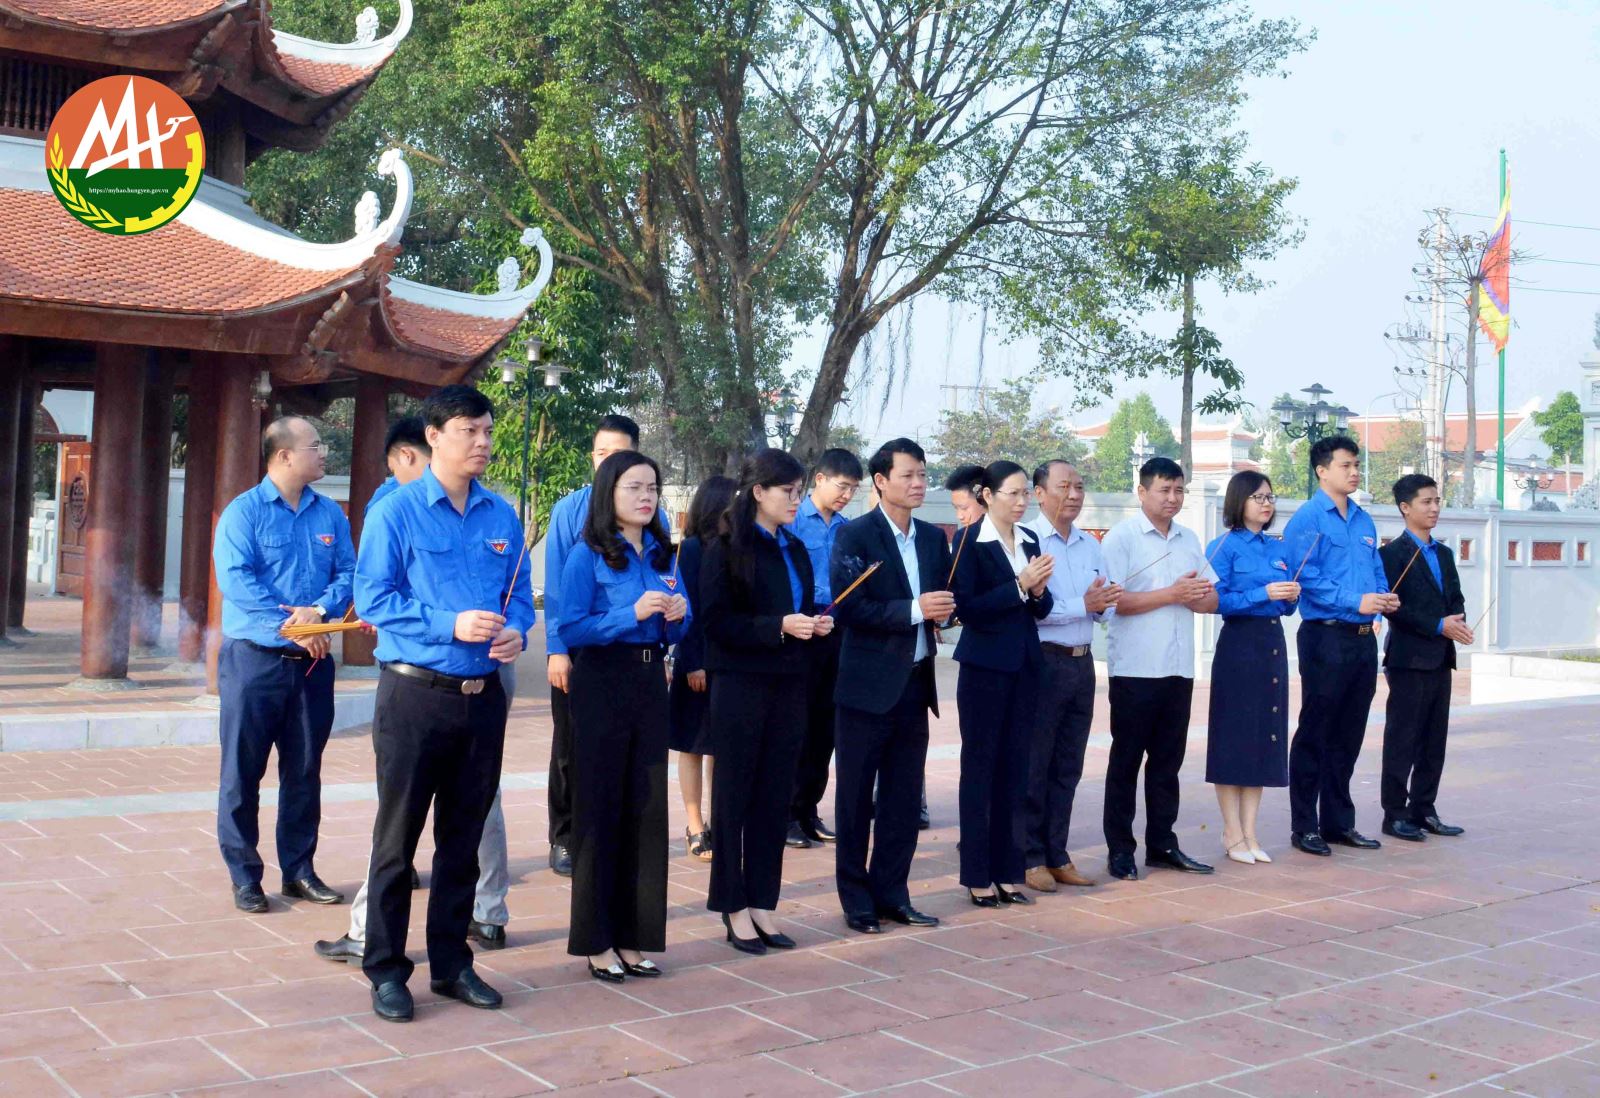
{"x":1123,"y":867}
{"x":487,"y":935}
{"x":817,"y":831}
{"x":249,"y":898}
{"x":1434,"y":826}
{"x":1404,"y":829}
{"x":1309,"y":842}
{"x":864,"y":924}
{"x":776,"y":940}
{"x":1009,"y":897}
{"x":796,"y":839}
{"x":754,"y":946}
{"x":1353,"y":838}
{"x":468,"y":987}
{"x":392,"y":1002}
{"x":560,"y":860}
{"x":343,"y":948}
{"x":923,"y":823}
{"x":907,"y":916}
{"x":1176,"y":859}
{"x":982,"y":901}
{"x":313,"y":889}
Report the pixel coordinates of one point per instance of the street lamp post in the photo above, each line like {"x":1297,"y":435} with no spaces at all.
{"x":1539,"y":476}
{"x":1313,"y":421}
{"x":552,"y":372}
{"x":785,"y":417}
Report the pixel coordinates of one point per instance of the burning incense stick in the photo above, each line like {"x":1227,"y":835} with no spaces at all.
{"x":1395,"y":586}
{"x":507,"y":604}
{"x":1483,"y":615}
{"x":1152,"y":564}
{"x":1309,"y":550}
{"x":960,"y":545}
{"x":1217,"y":548}
{"x":871,"y":568}
{"x":673,"y":582}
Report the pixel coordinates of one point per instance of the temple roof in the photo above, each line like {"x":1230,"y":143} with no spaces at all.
{"x":323,"y":69}
{"x":127,"y":16}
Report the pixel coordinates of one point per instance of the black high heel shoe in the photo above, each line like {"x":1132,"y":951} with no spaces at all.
{"x":753,"y":946}
{"x":1006,"y":896}
{"x":776,"y":940}
{"x":611,"y":974}
{"x":983,"y":901}
{"x":644,"y":969}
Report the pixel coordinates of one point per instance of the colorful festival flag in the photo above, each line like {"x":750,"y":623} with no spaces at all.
{"x":1494,"y":302}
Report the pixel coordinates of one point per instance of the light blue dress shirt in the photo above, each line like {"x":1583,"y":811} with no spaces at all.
{"x":907,"y":544}
{"x":1079,"y":562}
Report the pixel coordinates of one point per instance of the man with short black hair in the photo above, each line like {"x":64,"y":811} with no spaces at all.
{"x":1342,"y":590}
{"x":1419,"y":656}
{"x":834,"y":482}
{"x":406,"y":453}
{"x":1166,"y":581}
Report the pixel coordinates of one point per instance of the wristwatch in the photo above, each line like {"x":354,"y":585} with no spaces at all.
{"x":321,"y":613}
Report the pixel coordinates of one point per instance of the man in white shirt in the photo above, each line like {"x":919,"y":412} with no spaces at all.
{"x":1167,"y":580}
{"x":1082,"y":596}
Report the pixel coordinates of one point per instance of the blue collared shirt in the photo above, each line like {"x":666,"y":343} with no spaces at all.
{"x":566,"y":530}
{"x":1430,"y":553}
{"x":423,"y":562}
{"x":1343,"y":563}
{"x":1245,"y":562}
{"x":907,"y":544}
{"x":268,"y":555}
{"x":1079,"y":563}
{"x":796,"y":588}
{"x":381,"y":491}
{"x":597,"y":600}
{"x":817,"y":536}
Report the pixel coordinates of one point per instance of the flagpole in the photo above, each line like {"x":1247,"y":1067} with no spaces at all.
{"x":1500,"y":451}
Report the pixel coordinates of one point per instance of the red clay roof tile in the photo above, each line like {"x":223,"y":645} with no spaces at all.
{"x":116,"y":14}
{"x":452,"y":335}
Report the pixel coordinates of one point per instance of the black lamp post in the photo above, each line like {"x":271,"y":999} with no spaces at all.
{"x":1539,"y":476}
{"x":1314,"y":420}
{"x":552,"y":379}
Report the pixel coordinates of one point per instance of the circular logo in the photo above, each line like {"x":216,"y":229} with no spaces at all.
{"x":124,"y":155}
{"x":78,"y":502}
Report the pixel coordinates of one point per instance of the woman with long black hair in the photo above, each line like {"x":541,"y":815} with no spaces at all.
{"x":690,"y":734}
{"x":757,"y":599}
{"x":1000,"y":589}
{"x":618,"y":615}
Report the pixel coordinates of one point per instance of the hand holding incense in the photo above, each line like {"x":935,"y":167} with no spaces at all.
{"x":871,"y":568}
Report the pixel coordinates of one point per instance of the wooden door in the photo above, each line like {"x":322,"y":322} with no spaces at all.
{"x":72,"y":522}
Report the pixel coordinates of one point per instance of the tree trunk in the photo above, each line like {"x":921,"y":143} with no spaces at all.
{"x":1469,"y":458}
{"x":1186,"y":414}
{"x":826,"y":393}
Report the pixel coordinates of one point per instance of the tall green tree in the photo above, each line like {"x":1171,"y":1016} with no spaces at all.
{"x":1110,"y":469}
{"x":1404,"y":450}
{"x":1003,"y":425}
{"x":1561,"y":428}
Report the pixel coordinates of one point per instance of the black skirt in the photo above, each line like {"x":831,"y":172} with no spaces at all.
{"x":1247,"y":734}
{"x":689,"y":728}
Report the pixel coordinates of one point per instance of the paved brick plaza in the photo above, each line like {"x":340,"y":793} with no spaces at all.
{"x":1469,"y":966}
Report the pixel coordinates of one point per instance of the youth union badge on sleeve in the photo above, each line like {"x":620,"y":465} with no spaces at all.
{"x":497,"y":544}
{"x":1370,"y":542}
{"x":326,"y":539}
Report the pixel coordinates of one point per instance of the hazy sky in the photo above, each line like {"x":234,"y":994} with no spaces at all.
{"x":1394,"y":110}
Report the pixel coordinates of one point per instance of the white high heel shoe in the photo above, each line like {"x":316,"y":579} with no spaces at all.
{"x":1260,"y":855}
{"x":1246,"y":856}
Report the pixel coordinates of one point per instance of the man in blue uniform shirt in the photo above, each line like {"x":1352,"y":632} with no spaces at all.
{"x":1342,"y":589}
{"x":406,"y":453}
{"x":439,"y":579}
{"x":283,"y":557}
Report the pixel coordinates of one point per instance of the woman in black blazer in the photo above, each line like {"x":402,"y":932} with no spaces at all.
{"x":756,"y":595}
{"x":1000,"y":591}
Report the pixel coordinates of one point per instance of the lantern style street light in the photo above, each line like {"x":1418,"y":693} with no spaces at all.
{"x":1313,"y":420}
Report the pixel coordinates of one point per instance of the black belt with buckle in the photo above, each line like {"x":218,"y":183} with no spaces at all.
{"x":1073,"y":650}
{"x":295,"y":653}
{"x":1360,"y":629}
{"x":453,"y":684}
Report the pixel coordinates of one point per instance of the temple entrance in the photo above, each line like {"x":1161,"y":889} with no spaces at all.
{"x":72,"y":522}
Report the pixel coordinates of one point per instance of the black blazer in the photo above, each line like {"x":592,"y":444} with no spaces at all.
{"x":744,"y":625}
{"x":1414,"y":642}
{"x":999,"y":629}
{"x":879,"y":641}
{"x":690,"y":654}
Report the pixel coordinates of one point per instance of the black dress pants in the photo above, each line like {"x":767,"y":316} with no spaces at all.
{"x":889,"y":749}
{"x":559,"y":789}
{"x":619,"y":800}
{"x":816,"y":752}
{"x":1149,"y":727}
{"x":438,"y":748}
{"x":757,"y":725}
{"x":1065,"y":710}
{"x":1417,"y":720}
{"x":996,"y":709}
{"x":1338,"y":677}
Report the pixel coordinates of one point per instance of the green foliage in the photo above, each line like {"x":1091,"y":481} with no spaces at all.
{"x":847,"y":436}
{"x":1562,"y":428}
{"x":1002,"y":426}
{"x":1110,"y":469}
{"x":1405,"y":450}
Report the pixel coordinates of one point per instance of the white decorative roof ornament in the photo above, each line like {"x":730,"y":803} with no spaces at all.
{"x":367,"y":213}
{"x":367,"y":51}
{"x":509,"y":274}
{"x":506,"y":304}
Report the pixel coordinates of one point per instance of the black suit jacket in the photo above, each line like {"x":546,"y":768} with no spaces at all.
{"x":879,"y":641}
{"x":744,"y":623}
{"x":1414,"y":642}
{"x":999,"y":629}
{"x":690,"y":654}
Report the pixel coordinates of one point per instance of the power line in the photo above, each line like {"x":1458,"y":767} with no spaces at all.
{"x":1525,"y":221}
{"x":1544,"y":290}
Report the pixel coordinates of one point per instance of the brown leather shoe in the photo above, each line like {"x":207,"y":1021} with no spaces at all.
{"x":1069,"y":875}
{"x":1039,"y":879}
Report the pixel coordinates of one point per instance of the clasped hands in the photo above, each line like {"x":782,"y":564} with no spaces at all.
{"x":671,"y":607}
{"x":480,"y":626}
{"x":806,"y":626}
{"x":1191,"y":590}
{"x":1374,"y":603}
{"x":319,"y":645}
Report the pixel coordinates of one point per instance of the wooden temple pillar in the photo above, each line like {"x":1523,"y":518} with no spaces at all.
{"x":199,"y":488}
{"x":12,"y":394}
{"x":152,"y":473}
{"x":367,"y":471}
{"x":18,"y":594}
{"x":119,"y":383}
{"x":238,"y":460}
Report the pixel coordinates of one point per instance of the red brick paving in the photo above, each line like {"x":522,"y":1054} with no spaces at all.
{"x":1470,"y":965}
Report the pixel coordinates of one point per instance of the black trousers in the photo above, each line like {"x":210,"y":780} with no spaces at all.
{"x":757,"y":725}
{"x":559,"y":789}
{"x":889,"y":749}
{"x":441,"y":749}
{"x":1065,"y":710}
{"x":1417,"y":720}
{"x":619,"y":800}
{"x":811,"y":775}
{"x":1149,"y":727}
{"x":1338,"y":677}
{"x":996,"y":709}
{"x":269,"y":701}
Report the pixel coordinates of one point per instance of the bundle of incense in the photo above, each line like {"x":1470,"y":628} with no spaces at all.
{"x":516,"y":569}
{"x":295,"y":632}
{"x":871,"y":568}
{"x":1152,"y":564}
{"x":1309,"y":550}
{"x":960,"y":545}
{"x":1395,"y":586}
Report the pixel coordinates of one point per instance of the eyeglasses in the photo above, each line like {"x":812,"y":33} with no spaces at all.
{"x":640,"y":489}
{"x":1013,"y":493}
{"x":792,"y":491}
{"x":845,"y":487}
{"x":320,"y":447}
{"x":1264,"y":498}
